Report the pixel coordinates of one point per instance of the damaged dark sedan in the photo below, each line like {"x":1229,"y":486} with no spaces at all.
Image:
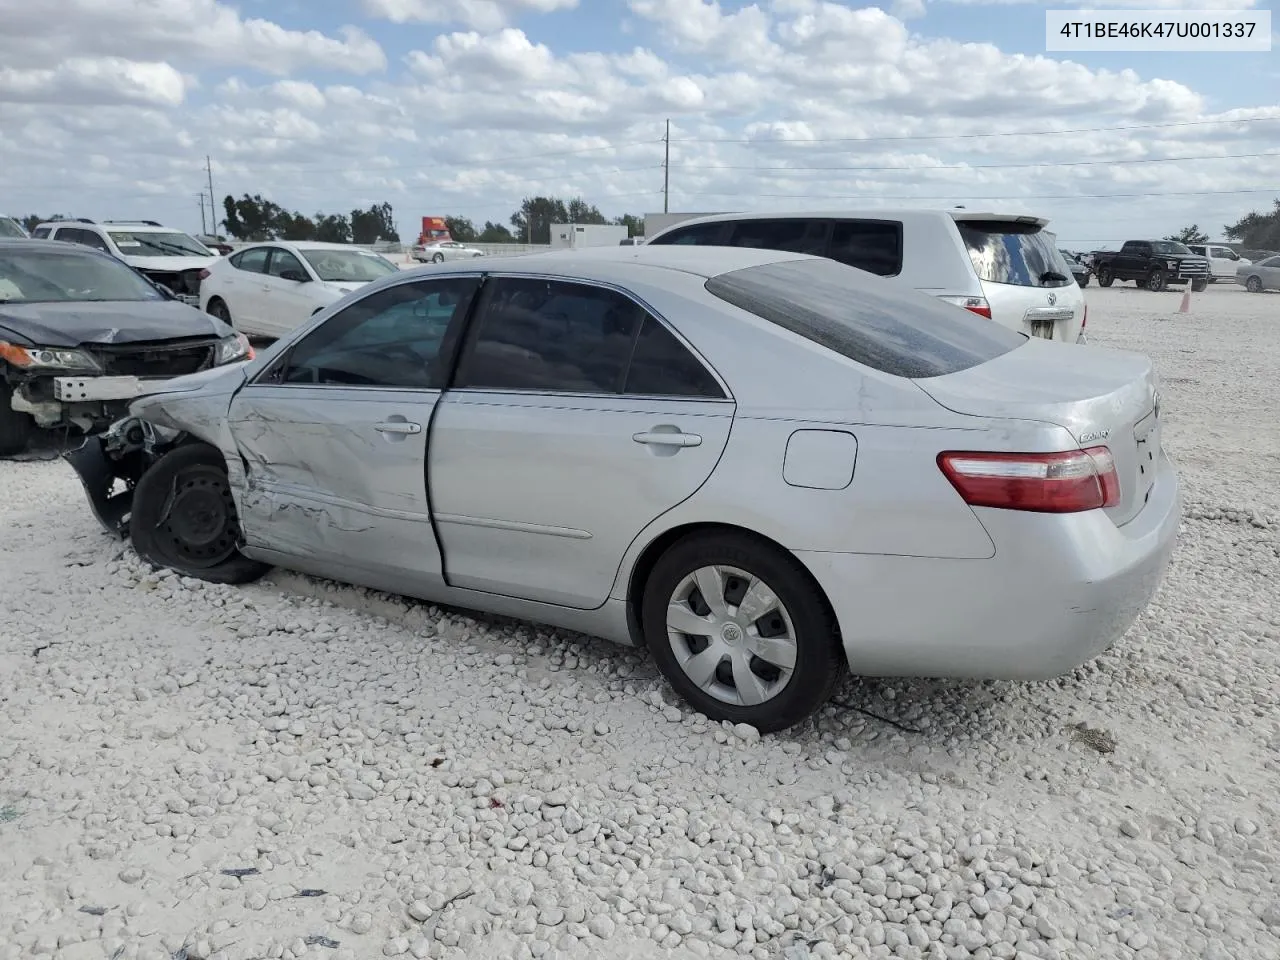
{"x":82,"y":334}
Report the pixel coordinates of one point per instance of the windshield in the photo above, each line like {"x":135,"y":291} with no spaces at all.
{"x":63,"y":275}
{"x":10,"y":227}
{"x":348,"y":266}
{"x":866,"y":319}
{"x":1019,"y":254}
{"x":1168,"y":247}
{"x":154,"y":244}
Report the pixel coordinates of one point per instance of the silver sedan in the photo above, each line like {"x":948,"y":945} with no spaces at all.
{"x":1257,"y":277}
{"x":438,"y":251}
{"x":762,"y":466}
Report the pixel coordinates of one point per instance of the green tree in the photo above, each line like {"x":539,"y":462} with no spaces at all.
{"x":33,"y":220}
{"x":331,"y":228}
{"x":532,"y":222}
{"x":255,"y":218}
{"x":582,"y":212}
{"x":1258,"y":230}
{"x":633,"y":223}
{"x":495,"y":233}
{"x":461,"y":229}
{"x":1191,"y":234}
{"x":376,"y":223}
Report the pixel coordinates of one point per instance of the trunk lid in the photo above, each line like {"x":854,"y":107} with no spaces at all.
{"x":1100,"y":396}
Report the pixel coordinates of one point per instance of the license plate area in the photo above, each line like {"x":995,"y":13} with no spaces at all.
{"x":1042,"y":328}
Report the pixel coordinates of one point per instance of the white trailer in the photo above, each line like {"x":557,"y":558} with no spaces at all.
{"x":575,"y":236}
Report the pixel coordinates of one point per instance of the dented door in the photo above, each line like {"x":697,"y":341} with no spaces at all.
{"x":337,"y":475}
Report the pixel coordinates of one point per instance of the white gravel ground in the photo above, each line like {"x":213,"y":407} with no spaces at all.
{"x":405,"y":781}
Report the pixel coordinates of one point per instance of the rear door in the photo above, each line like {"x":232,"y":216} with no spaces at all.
{"x":576,"y":418}
{"x":334,"y":435}
{"x":238,"y":283}
{"x":1026,"y":281}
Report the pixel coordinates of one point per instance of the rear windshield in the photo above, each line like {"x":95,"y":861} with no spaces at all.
{"x":878,"y":324}
{"x":1168,"y":247}
{"x":1020,"y":254}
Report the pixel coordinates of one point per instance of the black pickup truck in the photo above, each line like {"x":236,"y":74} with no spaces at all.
{"x":1154,"y":264}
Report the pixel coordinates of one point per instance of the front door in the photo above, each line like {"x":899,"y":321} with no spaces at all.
{"x":334,"y":436}
{"x":575,"y":419}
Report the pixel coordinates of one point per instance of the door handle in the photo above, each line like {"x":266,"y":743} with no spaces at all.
{"x":672,"y":439}
{"x":398,"y":426}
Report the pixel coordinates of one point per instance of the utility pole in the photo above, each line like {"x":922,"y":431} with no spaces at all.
{"x":213,"y":211}
{"x":204,"y":224}
{"x":666,"y":167}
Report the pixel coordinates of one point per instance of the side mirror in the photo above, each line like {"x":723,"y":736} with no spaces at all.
{"x":297,"y":276}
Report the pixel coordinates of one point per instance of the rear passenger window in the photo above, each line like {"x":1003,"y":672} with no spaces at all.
{"x":253,"y":261}
{"x":551,"y":335}
{"x":871,"y":245}
{"x":789,"y":236}
{"x":661,"y":366}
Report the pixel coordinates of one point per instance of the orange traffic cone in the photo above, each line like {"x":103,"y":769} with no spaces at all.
{"x":1185,"y":306}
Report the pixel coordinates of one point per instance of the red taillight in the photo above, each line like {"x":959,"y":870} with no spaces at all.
{"x":1085,"y":322}
{"x":1066,"y":482}
{"x":204,"y":274}
{"x":981,"y":307}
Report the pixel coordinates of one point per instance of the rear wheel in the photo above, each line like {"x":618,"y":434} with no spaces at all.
{"x":1105,"y":277}
{"x":1085,"y":281}
{"x":16,"y":427}
{"x":438,"y":258}
{"x":1198,"y":285}
{"x":1253,"y":285}
{"x":219,"y":309}
{"x":183,"y":517}
{"x":741,"y":630}
{"x":1157,"y":280}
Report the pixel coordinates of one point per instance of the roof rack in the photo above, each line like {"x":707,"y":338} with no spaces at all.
{"x":145,"y":223}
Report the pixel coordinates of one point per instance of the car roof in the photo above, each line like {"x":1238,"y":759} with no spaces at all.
{"x":132,"y":226}
{"x":867,"y":213}
{"x":47,"y":246}
{"x":603,"y":262}
{"x":304,"y":245}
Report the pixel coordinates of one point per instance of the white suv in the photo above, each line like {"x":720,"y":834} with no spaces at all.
{"x":1002,"y":266}
{"x":168,"y":257}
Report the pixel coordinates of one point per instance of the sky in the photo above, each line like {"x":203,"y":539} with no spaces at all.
{"x":109,"y":108}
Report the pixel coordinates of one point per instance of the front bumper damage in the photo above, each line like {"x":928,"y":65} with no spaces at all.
{"x":110,"y":464}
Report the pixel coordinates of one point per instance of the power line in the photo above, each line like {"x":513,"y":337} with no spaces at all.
{"x":975,"y":136}
{"x":962,"y":196}
{"x":919,"y":168}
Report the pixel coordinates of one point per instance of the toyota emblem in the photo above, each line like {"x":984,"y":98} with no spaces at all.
{"x":1053,"y":298}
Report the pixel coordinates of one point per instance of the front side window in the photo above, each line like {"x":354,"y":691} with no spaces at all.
{"x":253,"y":260}
{"x":348,"y":266}
{"x":550,"y":335}
{"x":1018,"y":254}
{"x":66,"y":275}
{"x":393,"y":338}
{"x":282,"y":262}
{"x":698,"y":234}
{"x":895,"y":331}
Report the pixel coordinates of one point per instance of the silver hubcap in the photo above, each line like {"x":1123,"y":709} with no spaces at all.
{"x":731,"y":635}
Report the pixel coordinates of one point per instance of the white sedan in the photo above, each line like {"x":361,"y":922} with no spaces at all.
{"x":438,"y":251}
{"x":268,"y":289}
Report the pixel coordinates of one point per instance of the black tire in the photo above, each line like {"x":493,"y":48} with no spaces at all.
{"x":1253,"y":284}
{"x":1105,"y":277}
{"x":1157,"y":281}
{"x":819,"y":659}
{"x":438,"y":258}
{"x":16,"y":427}
{"x":217,"y":308}
{"x":1198,"y":285}
{"x":183,"y":517}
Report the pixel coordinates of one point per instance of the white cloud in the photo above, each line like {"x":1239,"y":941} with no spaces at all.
{"x":776,"y":104}
{"x":1118,"y":4}
{"x":41,"y":33}
{"x":478,"y":14}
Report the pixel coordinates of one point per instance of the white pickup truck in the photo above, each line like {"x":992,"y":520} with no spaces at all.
{"x":1223,"y":261}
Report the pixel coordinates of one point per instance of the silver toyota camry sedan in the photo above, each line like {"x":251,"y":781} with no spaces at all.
{"x":764,"y":467}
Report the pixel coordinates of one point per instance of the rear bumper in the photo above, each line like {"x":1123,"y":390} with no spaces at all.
{"x":1059,"y":591}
